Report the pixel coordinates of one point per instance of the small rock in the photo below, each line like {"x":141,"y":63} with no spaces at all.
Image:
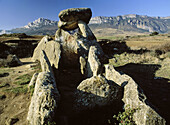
{"x":20,"y":71}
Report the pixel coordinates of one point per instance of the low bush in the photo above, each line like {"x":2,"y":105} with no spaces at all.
{"x":126,"y":117}
{"x":154,"y":33}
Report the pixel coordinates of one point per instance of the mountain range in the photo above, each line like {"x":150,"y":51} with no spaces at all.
{"x":131,"y":22}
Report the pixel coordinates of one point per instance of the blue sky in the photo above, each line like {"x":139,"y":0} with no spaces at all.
{"x":17,"y":13}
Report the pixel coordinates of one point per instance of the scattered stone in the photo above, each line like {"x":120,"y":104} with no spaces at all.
{"x":13,"y":60}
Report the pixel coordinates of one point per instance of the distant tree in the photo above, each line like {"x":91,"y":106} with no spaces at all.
{"x":22,"y":35}
{"x":154,"y":33}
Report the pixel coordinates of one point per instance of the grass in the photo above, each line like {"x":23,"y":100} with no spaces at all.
{"x":126,"y":117}
{"x":37,"y":68}
{"x":4,"y":85}
{"x":4,"y":70}
{"x":111,"y":37}
{"x":24,"y":79}
{"x":31,"y":89}
{"x":160,"y":42}
{"x":17,"y":90}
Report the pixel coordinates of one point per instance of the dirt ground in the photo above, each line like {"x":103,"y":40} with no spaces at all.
{"x":14,"y":105}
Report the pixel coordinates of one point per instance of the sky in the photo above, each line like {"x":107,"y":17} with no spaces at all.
{"x":18,"y":13}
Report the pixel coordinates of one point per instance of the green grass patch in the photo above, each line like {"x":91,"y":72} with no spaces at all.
{"x":22,"y":80}
{"x":4,"y":85}
{"x":37,"y":67}
{"x":126,"y":117}
{"x":31,"y":89}
{"x":18,"y":90}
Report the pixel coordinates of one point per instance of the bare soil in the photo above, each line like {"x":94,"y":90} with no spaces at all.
{"x":14,"y":105}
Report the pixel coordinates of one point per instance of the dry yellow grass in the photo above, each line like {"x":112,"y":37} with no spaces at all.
{"x":149,"y":42}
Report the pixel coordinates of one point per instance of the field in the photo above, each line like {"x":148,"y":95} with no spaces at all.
{"x":143,"y":57}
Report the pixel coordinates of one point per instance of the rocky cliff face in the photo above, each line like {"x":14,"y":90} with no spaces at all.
{"x":41,"y":26}
{"x":40,"y":22}
{"x":133,"y":22}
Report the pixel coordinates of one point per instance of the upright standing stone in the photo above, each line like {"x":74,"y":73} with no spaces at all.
{"x":45,"y":99}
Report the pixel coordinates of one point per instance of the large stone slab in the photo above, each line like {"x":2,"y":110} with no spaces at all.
{"x":94,"y":65}
{"x":51,"y":48}
{"x":69,"y":18}
{"x":96,"y":91}
{"x":134,"y":97}
{"x":45,"y":99}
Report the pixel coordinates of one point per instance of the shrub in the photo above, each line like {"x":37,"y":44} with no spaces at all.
{"x":154,"y":33}
{"x":126,"y":117}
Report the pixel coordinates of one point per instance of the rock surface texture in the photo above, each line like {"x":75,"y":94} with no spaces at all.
{"x":72,"y":66}
{"x":69,"y":18}
{"x":135,"y":98}
{"x":96,"y":91}
{"x":51,"y":48}
{"x":45,"y":98}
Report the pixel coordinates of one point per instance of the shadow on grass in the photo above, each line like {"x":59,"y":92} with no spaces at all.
{"x":156,"y":89}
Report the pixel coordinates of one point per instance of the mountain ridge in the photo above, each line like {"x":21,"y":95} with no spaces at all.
{"x":129,"y":22}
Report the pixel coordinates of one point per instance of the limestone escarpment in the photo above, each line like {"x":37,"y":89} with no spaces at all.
{"x":73,"y":70}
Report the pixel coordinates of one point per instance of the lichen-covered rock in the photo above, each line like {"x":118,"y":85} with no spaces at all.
{"x":74,"y":46}
{"x":33,"y":80}
{"x":96,"y":91}
{"x":135,"y":98}
{"x":12,"y":60}
{"x":85,"y":30}
{"x":44,"y":101}
{"x":93,"y":64}
{"x":69,"y":18}
{"x":82,"y":65}
{"x":46,"y":96}
{"x":51,"y":48}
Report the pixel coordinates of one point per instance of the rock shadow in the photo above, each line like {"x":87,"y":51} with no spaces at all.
{"x":111,"y":47}
{"x":67,"y":80}
{"x":156,"y":90}
{"x":98,"y":115}
{"x":21,"y":48}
